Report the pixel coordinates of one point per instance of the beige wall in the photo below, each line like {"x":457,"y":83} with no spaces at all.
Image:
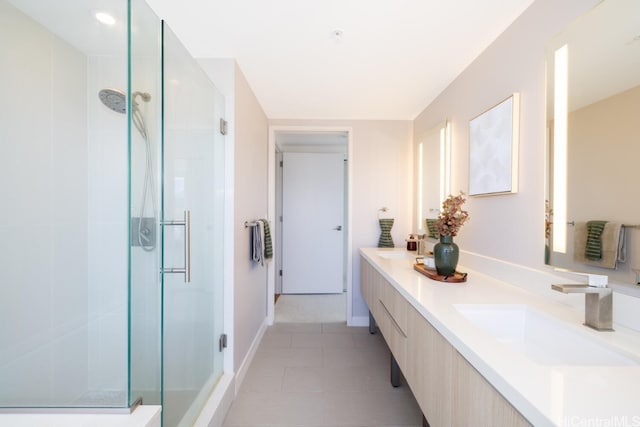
{"x":604,"y":150}
{"x":507,"y":227}
{"x":380,"y":165}
{"x":250,"y":203}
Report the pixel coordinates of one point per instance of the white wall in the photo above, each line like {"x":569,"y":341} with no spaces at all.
{"x":507,"y":227}
{"x":380,"y":164}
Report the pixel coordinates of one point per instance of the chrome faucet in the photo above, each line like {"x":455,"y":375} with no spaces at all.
{"x":598,"y":310}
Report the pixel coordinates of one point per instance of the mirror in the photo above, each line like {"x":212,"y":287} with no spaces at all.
{"x":593,"y":106}
{"x":433,"y":177}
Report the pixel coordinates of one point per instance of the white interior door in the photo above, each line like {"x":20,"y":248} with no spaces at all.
{"x":312,"y":224}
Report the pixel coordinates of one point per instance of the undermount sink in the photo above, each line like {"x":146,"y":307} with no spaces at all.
{"x":540,"y":338}
{"x":396,"y":255}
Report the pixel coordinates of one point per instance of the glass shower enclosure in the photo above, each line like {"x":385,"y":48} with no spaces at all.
{"x":111,"y":181}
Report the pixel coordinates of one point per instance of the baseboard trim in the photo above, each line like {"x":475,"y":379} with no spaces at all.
{"x":218,"y":404}
{"x":244,"y":366}
{"x":358,"y":321}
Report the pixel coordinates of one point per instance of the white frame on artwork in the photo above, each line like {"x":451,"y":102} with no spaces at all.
{"x":493,"y":149}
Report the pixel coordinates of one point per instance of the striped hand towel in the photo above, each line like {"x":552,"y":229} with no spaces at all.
{"x":432,"y":228}
{"x":593,"y":249}
{"x":268,"y":246}
{"x":385,"y":240}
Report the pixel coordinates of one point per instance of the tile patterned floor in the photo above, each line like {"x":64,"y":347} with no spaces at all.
{"x":320,"y":375}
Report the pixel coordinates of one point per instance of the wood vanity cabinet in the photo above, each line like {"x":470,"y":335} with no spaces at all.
{"x":389,"y":309}
{"x":448,"y":389}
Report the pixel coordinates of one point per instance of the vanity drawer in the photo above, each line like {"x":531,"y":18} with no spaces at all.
{"x":376,"y":290}
{"x":396,"y":306}
{"x":369,"y":286}
{"x":394,"y":336}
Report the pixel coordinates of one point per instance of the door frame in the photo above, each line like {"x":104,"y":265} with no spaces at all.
{"x":271,"y":208}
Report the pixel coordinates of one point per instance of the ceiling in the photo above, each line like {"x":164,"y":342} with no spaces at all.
{"x":342,"y":59}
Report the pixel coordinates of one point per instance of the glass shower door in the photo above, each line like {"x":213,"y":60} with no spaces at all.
{"x":192,"y":207}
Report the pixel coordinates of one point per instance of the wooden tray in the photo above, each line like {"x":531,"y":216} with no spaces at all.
{"x":433,"y":274}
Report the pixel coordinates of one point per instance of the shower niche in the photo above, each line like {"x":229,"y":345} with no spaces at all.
{"x":111,"y":136}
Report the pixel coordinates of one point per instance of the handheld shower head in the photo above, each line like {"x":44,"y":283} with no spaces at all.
{"x":144,"y":95}
{"x":116,"y":100}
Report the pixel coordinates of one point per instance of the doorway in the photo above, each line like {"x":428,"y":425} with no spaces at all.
{"x":310,"y":204}
{"x":312,"y":226}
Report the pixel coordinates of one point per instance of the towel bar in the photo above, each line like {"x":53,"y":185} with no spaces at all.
{"x":572,"y":223}
{"x":248,"y":224}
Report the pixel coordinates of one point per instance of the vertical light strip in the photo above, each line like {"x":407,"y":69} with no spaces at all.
{"x":420,"y":188}
{"x":445,"y":169}
{"x":560,"y":114}
{"x":443,"y":163}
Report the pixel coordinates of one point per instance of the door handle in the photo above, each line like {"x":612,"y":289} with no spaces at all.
{"x":186,"y":270}
{"x":337,"y":228}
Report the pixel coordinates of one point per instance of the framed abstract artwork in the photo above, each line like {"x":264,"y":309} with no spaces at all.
{"x":493,"y":149}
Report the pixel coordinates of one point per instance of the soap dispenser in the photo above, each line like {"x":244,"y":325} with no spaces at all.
{"x":412,"y":243}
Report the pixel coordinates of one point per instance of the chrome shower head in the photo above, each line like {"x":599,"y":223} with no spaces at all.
{"x":114,"y":99}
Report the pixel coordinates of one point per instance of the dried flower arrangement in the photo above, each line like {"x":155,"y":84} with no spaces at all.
{"x":548,"y":219}
{"x":452,"y":217}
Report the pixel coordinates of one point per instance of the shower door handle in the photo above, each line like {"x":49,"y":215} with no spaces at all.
{"x":186,"y":223}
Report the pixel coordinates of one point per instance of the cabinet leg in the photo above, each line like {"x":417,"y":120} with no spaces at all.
{"x":372,"y":324}
{"x":395,"y":372}
{"x":425,"y":423}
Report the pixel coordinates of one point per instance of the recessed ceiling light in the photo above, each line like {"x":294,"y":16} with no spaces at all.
{"x":337,"y":34}
{"x":105,"y":18}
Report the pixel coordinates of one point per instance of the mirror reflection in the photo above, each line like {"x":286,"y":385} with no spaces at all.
{"x":433,"y":174}
{"x":593,"y":211}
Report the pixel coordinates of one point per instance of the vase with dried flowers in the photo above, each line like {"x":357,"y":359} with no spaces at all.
{"x":451,"y":218}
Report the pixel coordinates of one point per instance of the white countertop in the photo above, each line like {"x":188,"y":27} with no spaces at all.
{"x":561,"y":395}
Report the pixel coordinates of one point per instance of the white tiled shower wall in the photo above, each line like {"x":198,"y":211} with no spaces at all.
{"x":63,"y":229}
{"x":107,"y":227}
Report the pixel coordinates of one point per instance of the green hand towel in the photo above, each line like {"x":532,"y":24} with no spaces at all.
{"x":432,"y":228}
{"x":268,"y":246}
{"x":385,"y":240}
{"x":593,"y":249}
